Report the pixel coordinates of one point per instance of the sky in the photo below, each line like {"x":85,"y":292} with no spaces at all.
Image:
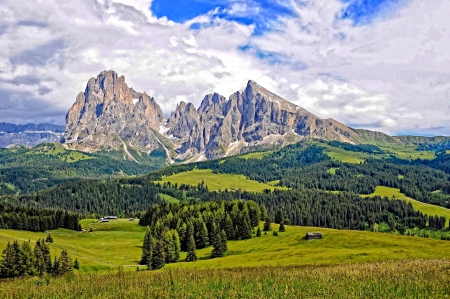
{"x":376,"y":64}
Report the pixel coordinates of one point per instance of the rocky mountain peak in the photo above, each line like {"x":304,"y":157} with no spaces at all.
{"x":109,"y":112}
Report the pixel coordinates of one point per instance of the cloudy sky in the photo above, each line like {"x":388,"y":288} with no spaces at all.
{"x":376,"y":64}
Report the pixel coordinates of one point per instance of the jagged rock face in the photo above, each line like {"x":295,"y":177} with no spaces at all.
{"x":109,"y":112}
{"x":182,"y":120}
{"x":254,"y":117}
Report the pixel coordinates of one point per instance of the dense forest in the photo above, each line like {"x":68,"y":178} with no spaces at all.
{"x":97,"y":198}
{"x":24,"y":170}
{"x":188,"y":226}
{"x":32,"y":219}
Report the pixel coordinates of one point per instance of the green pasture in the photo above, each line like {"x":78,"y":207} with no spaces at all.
{"x":429,"y":209}
{"x":217,"y":181}
{"x":118,"y":243}
{"x":256,"y":155}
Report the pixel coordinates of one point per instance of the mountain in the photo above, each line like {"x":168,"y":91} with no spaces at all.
{"x":29,"y":134}
{"x":109,"y":114}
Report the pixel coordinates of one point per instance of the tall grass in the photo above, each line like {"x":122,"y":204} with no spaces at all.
{"x":396,"y":279}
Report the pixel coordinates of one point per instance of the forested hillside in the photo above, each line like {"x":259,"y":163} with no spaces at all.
{"x":24,"y":170}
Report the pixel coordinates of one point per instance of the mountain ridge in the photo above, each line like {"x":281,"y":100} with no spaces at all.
{"x":109,"y":113}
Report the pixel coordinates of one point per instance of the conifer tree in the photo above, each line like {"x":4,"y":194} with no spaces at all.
{"x":281,"y":228}
{"x":65,"y":262}
{"x":28,"y":259}
{"x":264,"y":214}
{"x":223,"y":238}
{"x":229,"y":228}
{"x":49,"y":238}
{"x":191,"y":254}
{"x":245,"y":232}
{"x":201,"y":236}
{"x":175,"y":243}
{"x":278,"y":216}
{"x":258,"y":232}
{"x":56,"y":268}
{"x":158,"y":256}
{"x":76,"y":264}
{"x":146,"y":250}
{"x":217,"y":245}
{"x":267,"y":225}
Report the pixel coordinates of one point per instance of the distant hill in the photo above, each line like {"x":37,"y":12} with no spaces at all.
{"x":29,"y":134}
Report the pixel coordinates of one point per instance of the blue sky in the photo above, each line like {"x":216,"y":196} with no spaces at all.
{"x":361,"y":12}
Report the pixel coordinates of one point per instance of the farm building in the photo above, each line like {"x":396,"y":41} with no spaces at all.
{"x":131,"y":219}
{"x":110,"y":217}
{"x":313,"y":235}
{"x":104,"y":220}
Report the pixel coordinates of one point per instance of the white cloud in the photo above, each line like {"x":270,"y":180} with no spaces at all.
{"x":392,"y":75}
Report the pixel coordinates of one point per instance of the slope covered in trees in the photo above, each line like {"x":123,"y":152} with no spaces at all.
{"x":24,"y":170}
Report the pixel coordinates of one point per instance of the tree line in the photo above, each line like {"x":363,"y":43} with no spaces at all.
{"x":38,"y":220}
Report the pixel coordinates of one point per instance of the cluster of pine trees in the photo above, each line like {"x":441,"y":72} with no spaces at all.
{"x":21,"y":260}
{"x":32,"y":219}
{"x":189,"y":226}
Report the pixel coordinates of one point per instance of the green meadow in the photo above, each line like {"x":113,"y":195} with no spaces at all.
{"x":118,"y":243}
{"x":429,"y":209}
{"x":217,"y":181}
{"x":256,"y":155}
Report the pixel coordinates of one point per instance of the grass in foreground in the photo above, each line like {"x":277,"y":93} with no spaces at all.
{"x":217,"y":181}
{"x":426,"y":208}
{"x":405,"y":279}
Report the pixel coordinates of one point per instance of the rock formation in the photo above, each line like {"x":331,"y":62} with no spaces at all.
{"x":109,"y":114}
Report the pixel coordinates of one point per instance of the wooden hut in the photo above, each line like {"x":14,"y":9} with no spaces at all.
{"x":313,"y":235}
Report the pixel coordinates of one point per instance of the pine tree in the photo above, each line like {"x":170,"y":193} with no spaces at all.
{"x":175,"y":243}
{"x":223,"y":237}
{"x":56,"y":268}
{"x":267,"y":225}
{"x":278,"y":216}
{"x":258,"y":232}
{"x":229,"y":228}
{"x":281,"y":228}
{"x":28,"y":259}
{"x":146,"y":253}
{"x":264,"y":214}
{"x":158,"y":256}
{"x":245,"y":232}
{"x":65,"y":263}
{"x":76,"y":265}
{"x":201,"y":236}
{"x":191,"y":254}
{"x":49,"y":238}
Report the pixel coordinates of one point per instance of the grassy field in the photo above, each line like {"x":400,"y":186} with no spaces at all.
{"x":168,"y":198}
{"x":403,"y":152}
{"x":256,"y":155}
{"x":118,"y":242}
{"x":332,"y":170}
{"x":218,"y":181}
{"x":406,"y":279}
{"x":77,"y":156}
{"x":429,"y":209}
{"x":408,"y":152}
